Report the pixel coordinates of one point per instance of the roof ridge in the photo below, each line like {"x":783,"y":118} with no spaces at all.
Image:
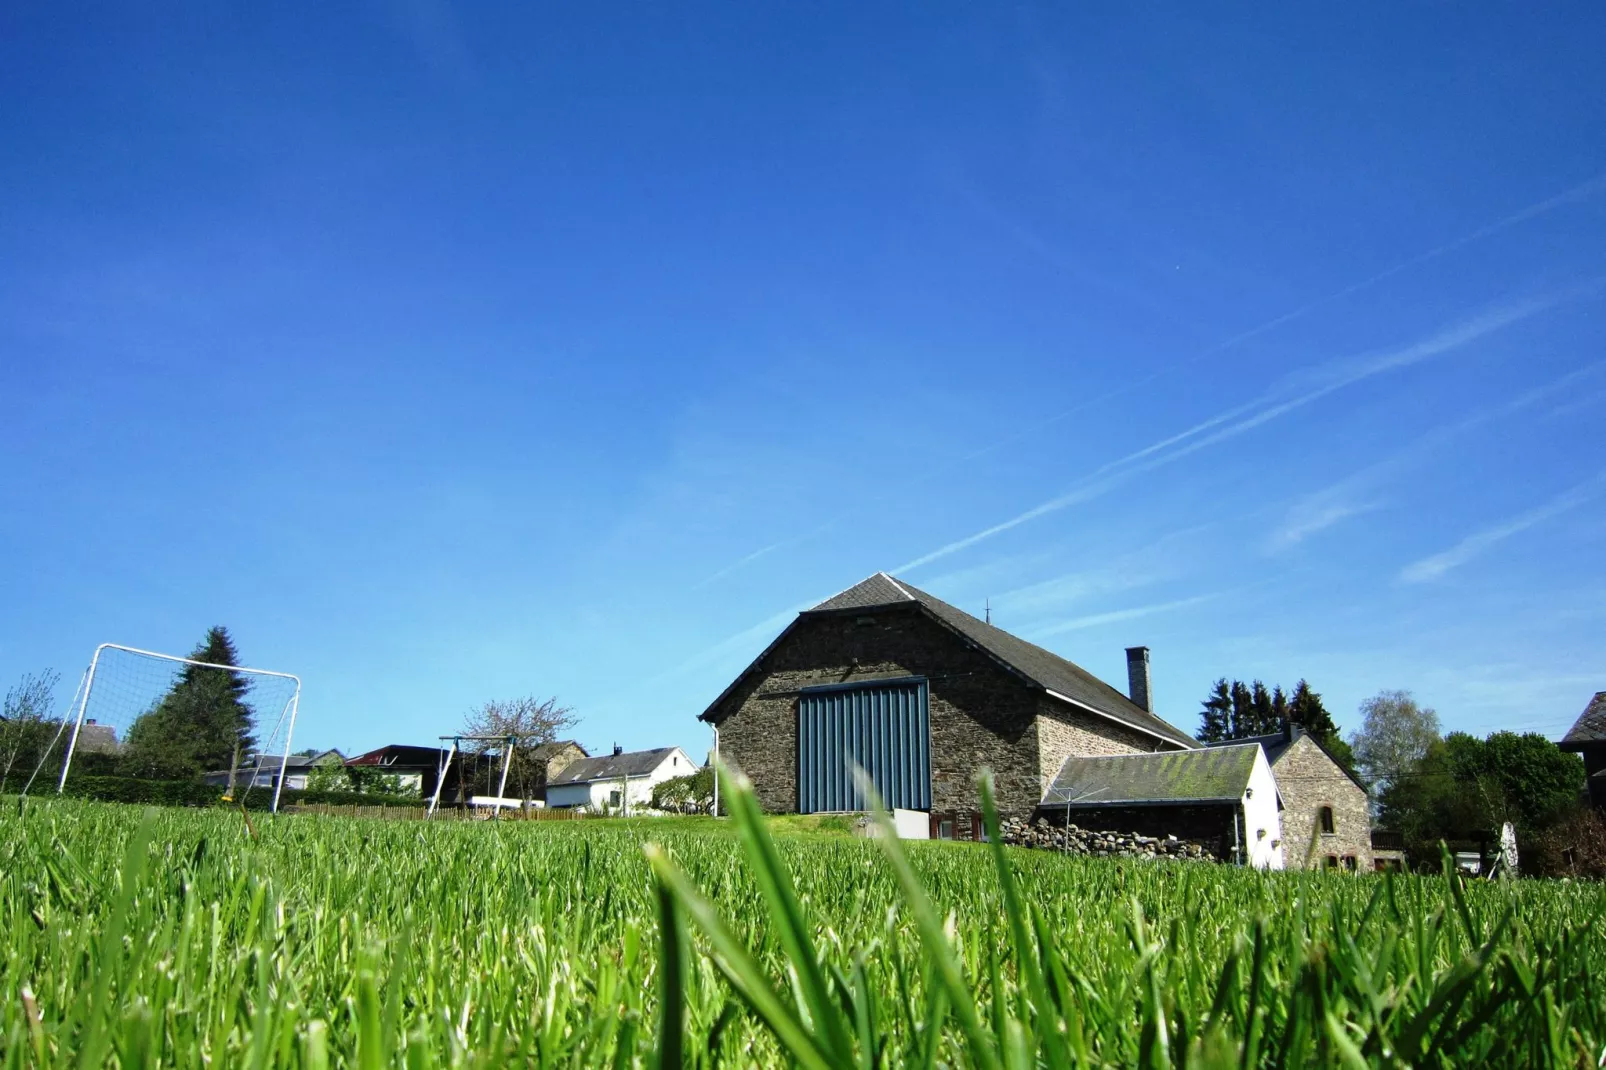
{"x":894,"y":581}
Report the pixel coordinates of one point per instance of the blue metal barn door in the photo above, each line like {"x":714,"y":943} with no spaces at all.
{"x":884,"y":727}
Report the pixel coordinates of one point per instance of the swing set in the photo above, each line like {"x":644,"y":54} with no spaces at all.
{"x":497,"y":803}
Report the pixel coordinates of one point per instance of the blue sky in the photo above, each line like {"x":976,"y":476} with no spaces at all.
{"x":446,"y":354}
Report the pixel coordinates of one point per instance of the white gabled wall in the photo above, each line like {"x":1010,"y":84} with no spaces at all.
{"x":1261,"y":820}
{"x":600,"y":793}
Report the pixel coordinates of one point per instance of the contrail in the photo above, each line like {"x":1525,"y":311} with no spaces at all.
{"x":1582,"y":191}
{"x":1432,"y":568}
{"x":1240,"y":419}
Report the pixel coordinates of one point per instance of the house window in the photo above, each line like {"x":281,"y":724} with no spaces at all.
{"x":1332,"y":861}
{"x":1349,"y":861}
{"x":613,"y":798}
{"x":1328,"y":828}
{"x":945,"y":829}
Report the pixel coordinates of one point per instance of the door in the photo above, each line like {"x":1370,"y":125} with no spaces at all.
{"x":884,"y":727}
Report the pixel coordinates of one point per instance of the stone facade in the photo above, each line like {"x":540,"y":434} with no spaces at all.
{"x":982,"y":714}
{"x":1064,"y":730}
{"x":1308,"y":780}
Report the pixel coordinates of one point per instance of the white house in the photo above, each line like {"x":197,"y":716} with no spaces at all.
{"x":619,"y":782}
{"x":1225,"y":795}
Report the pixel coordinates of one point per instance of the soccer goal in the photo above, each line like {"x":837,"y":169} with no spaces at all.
{"x":138,"y":713}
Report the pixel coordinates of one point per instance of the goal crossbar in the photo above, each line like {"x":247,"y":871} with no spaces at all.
{"x":290,"y":709}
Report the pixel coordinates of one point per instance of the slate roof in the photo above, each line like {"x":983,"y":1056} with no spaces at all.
{"x":1275,"y":744}
{"x":611,"y":767}
{"x":1039,"y":667}
{"x":1590,"y":728}
{"x":401,"y":756}
{"x":543,"y":751}
{"x":97,"y":739}
{"x":1207,"y":775}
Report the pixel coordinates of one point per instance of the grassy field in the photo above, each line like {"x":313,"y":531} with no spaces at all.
{"x":146,"y":938}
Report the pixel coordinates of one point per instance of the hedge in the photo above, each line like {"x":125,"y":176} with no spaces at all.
{"x":195,"y":793}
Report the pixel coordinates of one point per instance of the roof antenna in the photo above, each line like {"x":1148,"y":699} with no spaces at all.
{"x":989,"y":611}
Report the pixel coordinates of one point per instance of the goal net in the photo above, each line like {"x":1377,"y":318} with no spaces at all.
{"x":148,"y":716}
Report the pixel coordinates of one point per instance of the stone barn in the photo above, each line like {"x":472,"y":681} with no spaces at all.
{"x":921,"y":695}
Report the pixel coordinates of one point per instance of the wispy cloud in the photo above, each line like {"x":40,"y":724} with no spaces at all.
{"x":1479,"y":543}
{"x":1117,"y":616}
{"x":739,"y":562}
{"x":745,"y":642}
{"x":1361,"y":492}
{"x":1293,"y":393}
{"x":1577,"y":194}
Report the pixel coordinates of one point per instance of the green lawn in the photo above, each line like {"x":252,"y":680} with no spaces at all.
{"x":170,"y":937}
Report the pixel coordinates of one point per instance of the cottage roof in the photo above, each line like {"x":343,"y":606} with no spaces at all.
{"x":1037,"y":666}
{"x":400,"y":755}
{"x":544,"y":751}
{"x":1589,"y":730}
{"x":1276,"y":744}
{"x":611,"y":767}
{"x":1207,"y":775}
{"x":96,"y":738}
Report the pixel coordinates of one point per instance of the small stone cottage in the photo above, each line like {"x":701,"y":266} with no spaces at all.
{"x":921,"y":695}
{"x":1327,"y":815}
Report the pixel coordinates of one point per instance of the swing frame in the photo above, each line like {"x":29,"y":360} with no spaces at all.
{"x":509,"y":742}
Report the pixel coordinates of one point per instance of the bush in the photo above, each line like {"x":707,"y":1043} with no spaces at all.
{"x":691,"y":794}
{"x":1574,"y":847}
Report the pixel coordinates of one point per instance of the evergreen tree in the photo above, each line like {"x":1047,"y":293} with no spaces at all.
{"x":1236,"y":710}
{"x":1243,"y":711}
{"x":1305,"y":709}
{"x":1263,"y":719}
{"x":202,"y":722}
{"x":1215,"y":722}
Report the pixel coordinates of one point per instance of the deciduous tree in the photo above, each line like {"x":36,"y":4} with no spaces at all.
{"x":27,"y":725}
{"x":1395,"y":734}
{"x":530,"y":721}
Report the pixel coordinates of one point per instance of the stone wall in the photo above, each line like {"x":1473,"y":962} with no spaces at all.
{"x":1074,"y":839}
{"x":1064,"y":730}
{"x":982,"y":715}
{"x":1307,"y":780}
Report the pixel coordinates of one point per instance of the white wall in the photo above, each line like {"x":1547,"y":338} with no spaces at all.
{"x":1263,"y":826}
{"x":598,"y":794}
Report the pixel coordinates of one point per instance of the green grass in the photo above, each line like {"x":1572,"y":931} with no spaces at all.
{"x":145,"y":938}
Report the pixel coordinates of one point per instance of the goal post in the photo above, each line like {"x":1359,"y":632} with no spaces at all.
{"x":123,"y":685}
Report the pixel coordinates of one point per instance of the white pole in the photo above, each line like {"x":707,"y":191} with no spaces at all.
{"x":501,"y":788}
{"x":440,"y":779}
{"x":289,"y":734}
{"x":83,"y":704}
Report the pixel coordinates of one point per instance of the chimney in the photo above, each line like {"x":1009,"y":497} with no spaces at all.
{"x":617,"y":750}
{"x":1137,"y":676}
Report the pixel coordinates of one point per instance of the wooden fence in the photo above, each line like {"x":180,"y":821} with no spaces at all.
{"x":417,"y":813}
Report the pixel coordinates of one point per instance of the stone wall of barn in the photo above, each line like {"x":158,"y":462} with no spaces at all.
{"x":1307,"y":780}
{"x":1064,"y":730}
{"x":982,"y":715}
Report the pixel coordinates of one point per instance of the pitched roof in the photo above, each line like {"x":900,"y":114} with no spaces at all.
{"x":1208,"y":775}
{"x":611,"y":767}
{"x":1590,"y":728}
{"x":1275,"y":744}
{"x":401,"y":754}
{"x":879,"y":590}
{"x":554,"y":748}
{"x":1037,"y":666}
